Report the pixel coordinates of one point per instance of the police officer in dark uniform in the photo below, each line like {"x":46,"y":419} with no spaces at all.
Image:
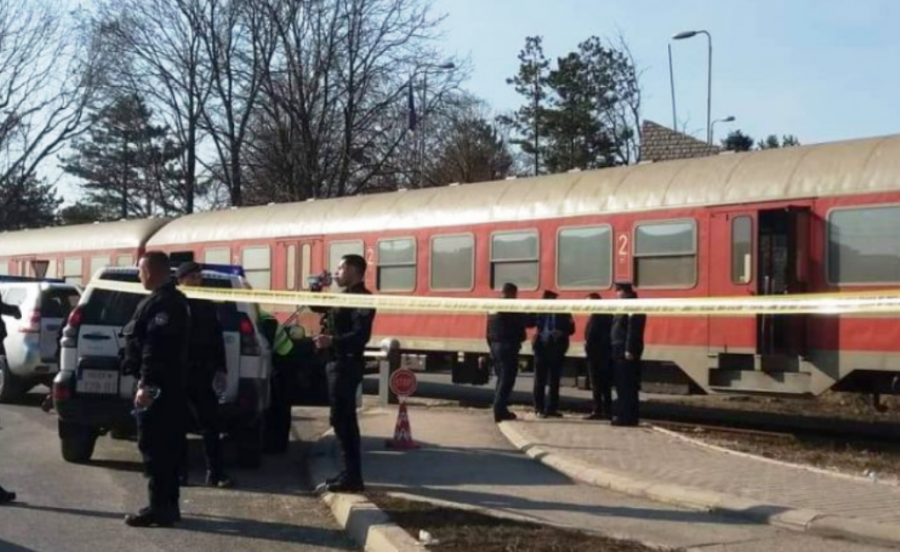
{"x":505,"y":334}
{"x":156,"y":351}
{"x":598,"y":349}
{"x":550,"y":345}
{"x":346,"y":332}
{"x":206,"y":373}
{"x":627,"y":338}
{"x":6,"y":310}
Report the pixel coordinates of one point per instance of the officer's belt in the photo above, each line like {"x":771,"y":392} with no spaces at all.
{"x":868,"y":302}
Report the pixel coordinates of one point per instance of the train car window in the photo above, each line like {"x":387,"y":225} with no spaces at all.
{"x":397,"y":265}
{"x":217,"y":255}
{"x":257,"y":263}
{"x":515,"y":259}
{"x":124,"y":260}
{"x":864,"y":245}
{"x":584,"y":257}
{"x":52,"y":269}
{"x":4,"y":268}
{"x":665,"y":254}
{"x":453,"y":262}
{"x":305,"y":265}
{"x":741,"y":250}
{"x":98,"y":263}
{"x":291,"y":272}
{"x":72,"y":270}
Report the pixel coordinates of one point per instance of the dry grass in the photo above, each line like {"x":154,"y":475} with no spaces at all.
{"x":463,"y":531}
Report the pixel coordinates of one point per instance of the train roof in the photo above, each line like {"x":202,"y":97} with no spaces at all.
{"x":831,"y":169}
{"x":80,"y":237}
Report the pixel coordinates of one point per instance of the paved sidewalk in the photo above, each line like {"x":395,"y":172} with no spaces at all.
{"x":465,"y":459}
{"x":691,"y":474}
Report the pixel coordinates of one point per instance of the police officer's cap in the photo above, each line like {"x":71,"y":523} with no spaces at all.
{"x":186,"y":269}
{"x":624,"y":286}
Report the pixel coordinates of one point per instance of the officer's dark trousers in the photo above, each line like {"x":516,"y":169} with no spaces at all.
{"x":278,"y":415}
{"x":506,"y":366}
{"x":600,"y":371}
{"x":204,"y":407}
{"x":548,"y":365}
{"x":160,"y":435}
{"x":344,"y":377}
{"x":627,"y":378}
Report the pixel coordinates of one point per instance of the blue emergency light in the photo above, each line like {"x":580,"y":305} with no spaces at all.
{"x":24,"y":279}
{"x":233,"y":270}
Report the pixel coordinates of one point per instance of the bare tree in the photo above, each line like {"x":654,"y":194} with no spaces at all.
{"x":161,"y":56}
{"x":239,"y":41}
{"x":48,"y":68}
{"x":336,"y":92}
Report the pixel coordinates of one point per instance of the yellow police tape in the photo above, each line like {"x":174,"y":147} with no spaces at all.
{"x":869,"y":302}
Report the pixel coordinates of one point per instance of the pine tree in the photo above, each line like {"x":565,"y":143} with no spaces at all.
{"x":127,"y":162}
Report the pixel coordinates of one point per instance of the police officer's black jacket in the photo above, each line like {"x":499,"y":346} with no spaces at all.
{"x":350,"y":329}
{"x":207,"y":347}
{"x":157,"y":339}
{"x":6,"y":310}
{"x":627,"y":334}
{"x":507,"y":327}
{"x":597,"y":334}
{"x":562,"y":323}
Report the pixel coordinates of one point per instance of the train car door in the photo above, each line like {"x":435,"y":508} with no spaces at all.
{"x":783,"y":268}
{"x":298,"y":260}
{"x":731,"y":274}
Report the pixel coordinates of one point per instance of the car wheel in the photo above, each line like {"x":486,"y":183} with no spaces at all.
{"x":77,"y":442}
{"x":250,"y":445}
{"x":10,"y":386}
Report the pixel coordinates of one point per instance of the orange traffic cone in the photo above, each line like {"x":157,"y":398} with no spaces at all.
{"x":402,"y":432}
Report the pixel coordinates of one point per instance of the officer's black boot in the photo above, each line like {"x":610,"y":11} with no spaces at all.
{"x":219,"y":479}
{"x":6,"y":497}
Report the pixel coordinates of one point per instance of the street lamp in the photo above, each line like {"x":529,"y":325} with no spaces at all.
{"x":691,"y":34}
{"x":448,"y":66}
{"x":712,"y":130}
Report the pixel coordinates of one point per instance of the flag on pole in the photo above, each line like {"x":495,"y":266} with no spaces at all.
{"x":413,"y":120}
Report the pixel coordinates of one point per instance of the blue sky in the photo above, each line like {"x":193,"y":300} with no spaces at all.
{"x":823,"y":70}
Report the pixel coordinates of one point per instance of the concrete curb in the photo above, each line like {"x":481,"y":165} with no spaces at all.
{"x":797,"y":519}
{"x":360,"y":518}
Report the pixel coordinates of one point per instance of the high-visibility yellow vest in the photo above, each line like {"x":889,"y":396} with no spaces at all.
{"x":283,"y":344}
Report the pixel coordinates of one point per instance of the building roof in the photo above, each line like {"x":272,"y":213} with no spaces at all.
{"x":840,"y":168}
{"x":659,"y":143}
{"x":81,"y":237}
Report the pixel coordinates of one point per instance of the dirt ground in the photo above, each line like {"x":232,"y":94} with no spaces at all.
{"x":861,"y":458}
{"x":462,"y":531}
{"x":846,"y":406}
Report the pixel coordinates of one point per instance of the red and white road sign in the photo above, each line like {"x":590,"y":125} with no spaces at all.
{"x":403,"y":382}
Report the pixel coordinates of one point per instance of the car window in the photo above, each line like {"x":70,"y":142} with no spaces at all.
{"x":228,"y":311}
{"x":15,"y":296}
{"x":110,"y":308}
{"x":58,"y":302}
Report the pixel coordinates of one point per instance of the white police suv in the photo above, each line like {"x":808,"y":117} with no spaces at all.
{"x":93,"y":397}
{"x":32,"y":345}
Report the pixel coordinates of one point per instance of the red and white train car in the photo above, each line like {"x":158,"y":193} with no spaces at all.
{"x":75,"y":253}
{"x":797,"y":220}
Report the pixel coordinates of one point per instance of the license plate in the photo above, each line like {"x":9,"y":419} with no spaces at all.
{"x":101,"y":382}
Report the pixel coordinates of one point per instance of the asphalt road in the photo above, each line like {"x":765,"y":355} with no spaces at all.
{"x":77,"y":508}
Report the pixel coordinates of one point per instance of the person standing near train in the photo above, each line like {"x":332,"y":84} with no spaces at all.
{"x":627,"y":340}
{"x":6,"y":310}
{"x":550,"y":345}
{"x":505,"y":334}
{"x":346,"y":331}
{"x":598,"y":349}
